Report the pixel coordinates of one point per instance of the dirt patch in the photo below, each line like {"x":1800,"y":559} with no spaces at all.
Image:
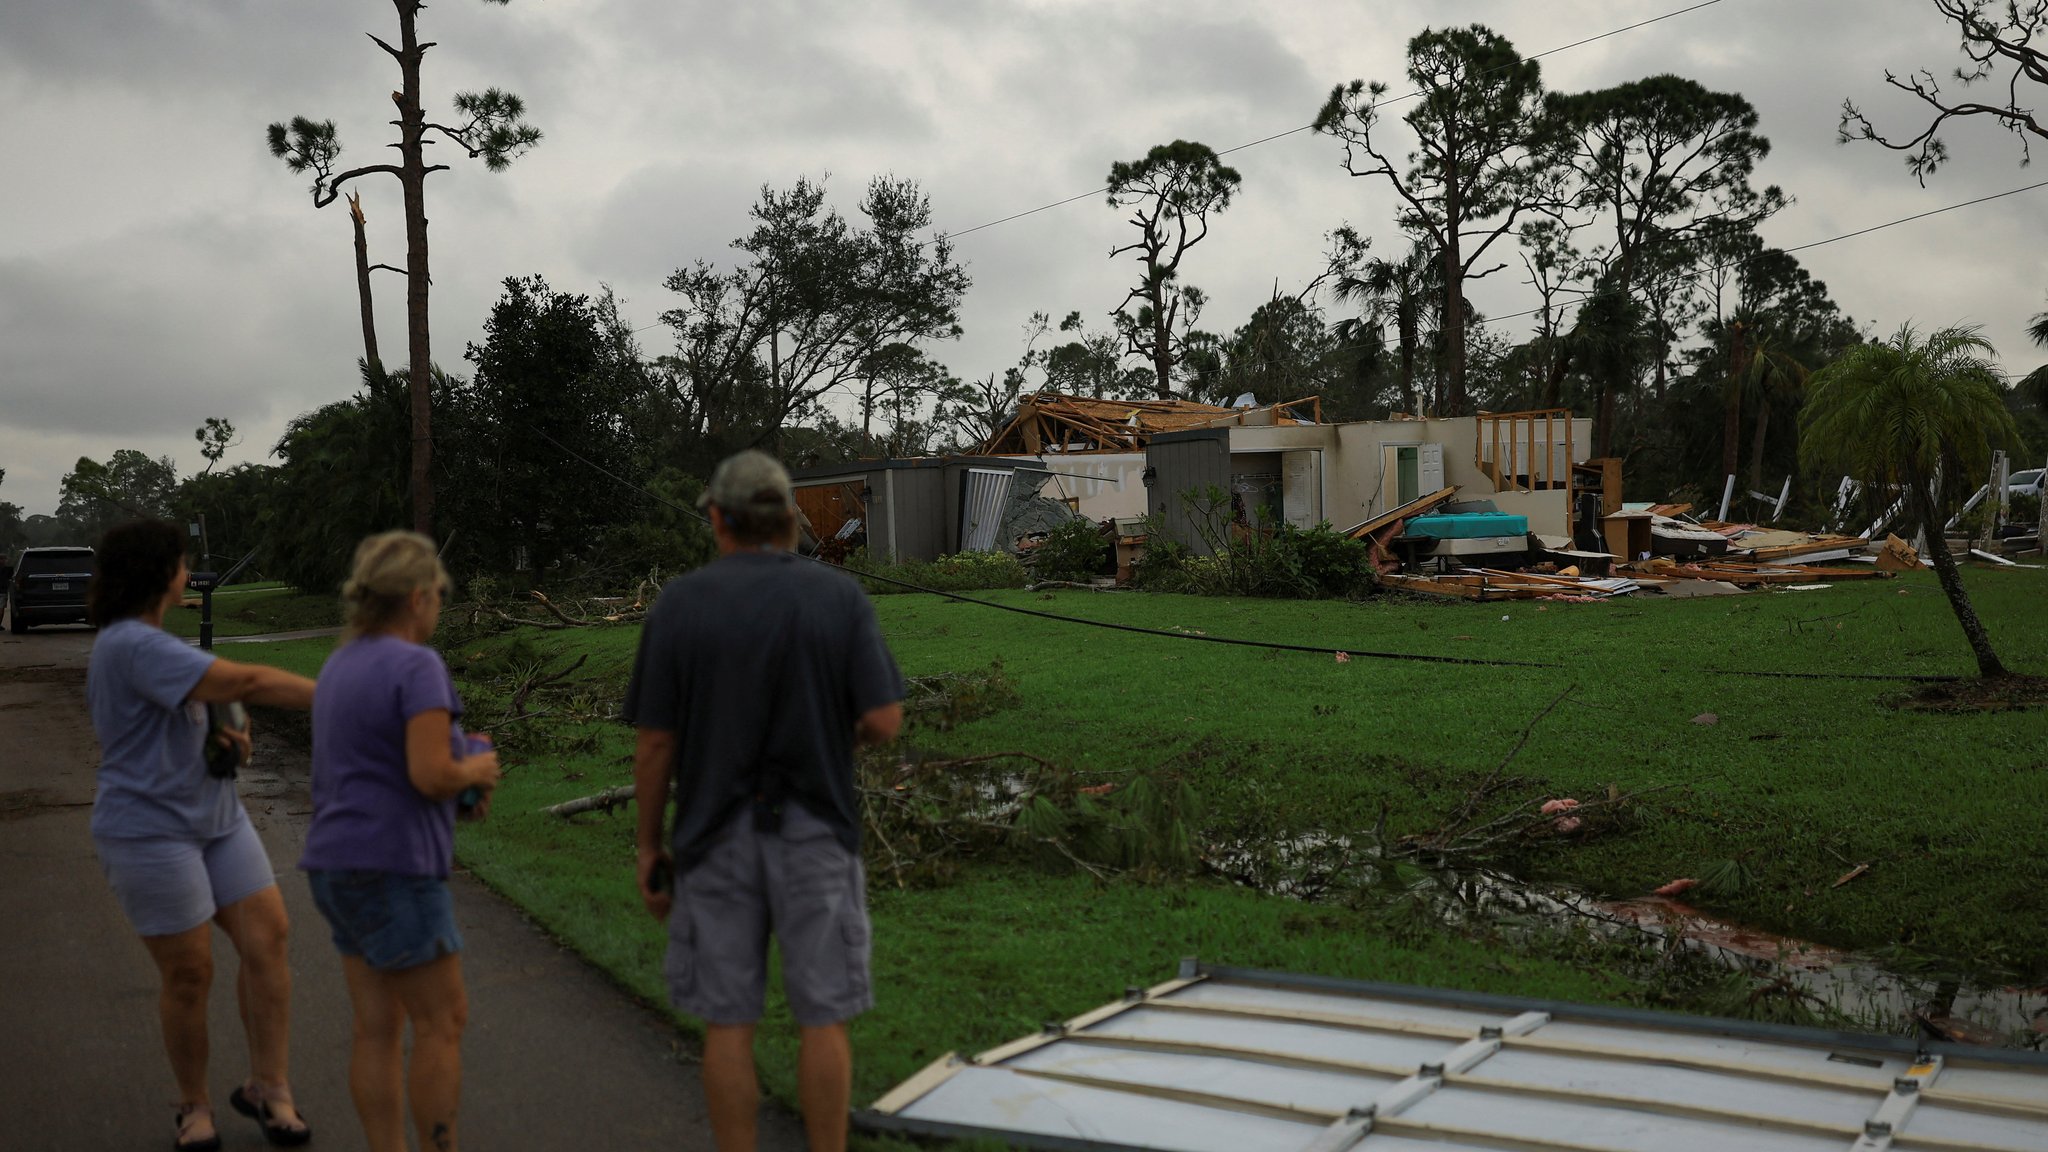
{"x":2011,"y":693}
{"x":42,"y":674}
{"x":25,"y":802}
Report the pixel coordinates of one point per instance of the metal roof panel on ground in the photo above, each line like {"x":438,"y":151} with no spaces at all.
{"x":1233,"y":1059}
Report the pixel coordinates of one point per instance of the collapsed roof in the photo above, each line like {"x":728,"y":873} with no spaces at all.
{"x":1048,"y":422}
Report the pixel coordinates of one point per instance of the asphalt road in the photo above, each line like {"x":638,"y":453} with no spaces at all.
{"x":556,"y":1056}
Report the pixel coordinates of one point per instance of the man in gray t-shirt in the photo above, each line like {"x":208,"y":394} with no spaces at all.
{"x":757,"y":677}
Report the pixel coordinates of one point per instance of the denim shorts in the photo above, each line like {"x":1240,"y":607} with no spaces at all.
{"x":391,"y":922}
{"x":800,"y":885}
{"x":168,"y":885}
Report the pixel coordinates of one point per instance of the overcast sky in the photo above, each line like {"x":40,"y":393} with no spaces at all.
{"x":157,"y":266}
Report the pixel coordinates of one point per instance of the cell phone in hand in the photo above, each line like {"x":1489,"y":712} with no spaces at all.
{"x":661,"y":877}
{"x":223,"y":756}
{"x":467,"y":745}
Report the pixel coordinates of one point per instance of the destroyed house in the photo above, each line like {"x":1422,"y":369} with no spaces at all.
{"x":924,"y":508}
{"x":1525,"y":465}
{"x":1058,"y":458}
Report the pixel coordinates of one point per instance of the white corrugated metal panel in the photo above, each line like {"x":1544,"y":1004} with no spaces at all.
{"x":1003,"y":1100}
{"x":1247,"y":1062}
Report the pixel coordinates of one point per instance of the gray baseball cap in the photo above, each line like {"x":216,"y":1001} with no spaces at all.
{"x":749,"y":482}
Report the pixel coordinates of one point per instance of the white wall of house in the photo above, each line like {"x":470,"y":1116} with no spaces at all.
{"x":1357,"y":467}
{"x":1108,"y":485}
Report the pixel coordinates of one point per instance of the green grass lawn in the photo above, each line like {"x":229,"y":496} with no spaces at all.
{"x":252,"y":610}
{"x":1800,"y":779}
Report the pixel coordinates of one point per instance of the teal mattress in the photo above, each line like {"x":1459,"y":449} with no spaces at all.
{"x":1468,"y":525}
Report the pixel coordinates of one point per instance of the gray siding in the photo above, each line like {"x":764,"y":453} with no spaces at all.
{"x":917,"y":513}
{"x":1183,"y":462}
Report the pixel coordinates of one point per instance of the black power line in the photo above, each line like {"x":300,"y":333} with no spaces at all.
{"x":1698,"y":273}
{"x":1389,"y":101}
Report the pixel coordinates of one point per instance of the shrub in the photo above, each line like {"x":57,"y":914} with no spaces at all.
{"x":1327,"y":563}
{"x":1074,"y":550}
{"x":962,"y":572}
{"x":1279,"y":561}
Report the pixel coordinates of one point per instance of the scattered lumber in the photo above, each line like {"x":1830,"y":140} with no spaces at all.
{"x":1744,"y":574}
{"x":1406,"y":511}
{"x":1813,"y":548}
{"x":1487,"y":584}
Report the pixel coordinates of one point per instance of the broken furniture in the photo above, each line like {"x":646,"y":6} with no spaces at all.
{"x":1456,"y":534}
{"x":1629,"y":534}
{"x":1234,"y":1060}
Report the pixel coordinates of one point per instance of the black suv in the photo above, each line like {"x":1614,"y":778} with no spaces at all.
{"x":48,"y":587}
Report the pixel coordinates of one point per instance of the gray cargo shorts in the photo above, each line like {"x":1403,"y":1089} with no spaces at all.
{"x":804,"y":886}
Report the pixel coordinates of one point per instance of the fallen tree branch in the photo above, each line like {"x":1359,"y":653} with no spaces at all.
{"x":1478,"y":795}
{"x":567,"y":620}
{"x":606,"y":800}
{"x":528,"y":686}
{"x":548,"y":625}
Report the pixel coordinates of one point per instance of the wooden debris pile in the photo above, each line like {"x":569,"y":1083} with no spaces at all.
{"x":1053,"y":422}
{"x":1490,"y":584}
{"x":1749,"y":574}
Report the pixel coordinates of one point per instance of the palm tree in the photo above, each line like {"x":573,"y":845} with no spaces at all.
{"x":1764,"y":367}
{"x":1902,"y":413}
{"x":1406,"y":291}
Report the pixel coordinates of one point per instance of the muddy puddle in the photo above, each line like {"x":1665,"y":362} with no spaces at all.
{"x":1855,"y":988}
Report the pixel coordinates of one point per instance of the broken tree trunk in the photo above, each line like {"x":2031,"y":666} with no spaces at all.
{"x":355,"y":215}
{"x":604,"y":801}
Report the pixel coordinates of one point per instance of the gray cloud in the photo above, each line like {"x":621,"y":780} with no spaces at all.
{"x":159,"y":267}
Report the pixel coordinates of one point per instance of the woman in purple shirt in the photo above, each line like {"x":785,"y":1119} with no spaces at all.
{"x":390,"y":768}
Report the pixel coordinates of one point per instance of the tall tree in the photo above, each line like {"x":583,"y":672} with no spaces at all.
{"x":495,"y":131}
{"x":815,"y":297}
{"x":895,"y":383}
{"x":551,"y":374}
{"x":1481,"y":164}
{"x":1286,"y":351}
{"x":13,"y":529}
{"x":1172,"y":191}
{"x":2000,"y":42}
{"x":94,"y":497}
{"x":1554,"y":264}
{"x":215,"y":437}
{"x":1900,"y":413}
{"x":1089,"y":363}
{"x":341,"y":476}
{"x":1666,"y":164}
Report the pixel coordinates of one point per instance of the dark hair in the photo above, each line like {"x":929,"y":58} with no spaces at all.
{"x":133,"y":567}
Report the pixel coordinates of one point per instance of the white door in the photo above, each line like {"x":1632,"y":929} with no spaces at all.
{"x":981,"y":508}
{"x":1430,"y":469}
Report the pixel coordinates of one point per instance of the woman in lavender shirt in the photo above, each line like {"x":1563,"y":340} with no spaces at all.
{"x":177,"y":847}
{"x":390,"y":763}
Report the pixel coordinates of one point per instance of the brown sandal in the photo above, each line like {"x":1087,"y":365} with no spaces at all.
{"x":184,"y":1120}
{"x":282,"y":1135}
